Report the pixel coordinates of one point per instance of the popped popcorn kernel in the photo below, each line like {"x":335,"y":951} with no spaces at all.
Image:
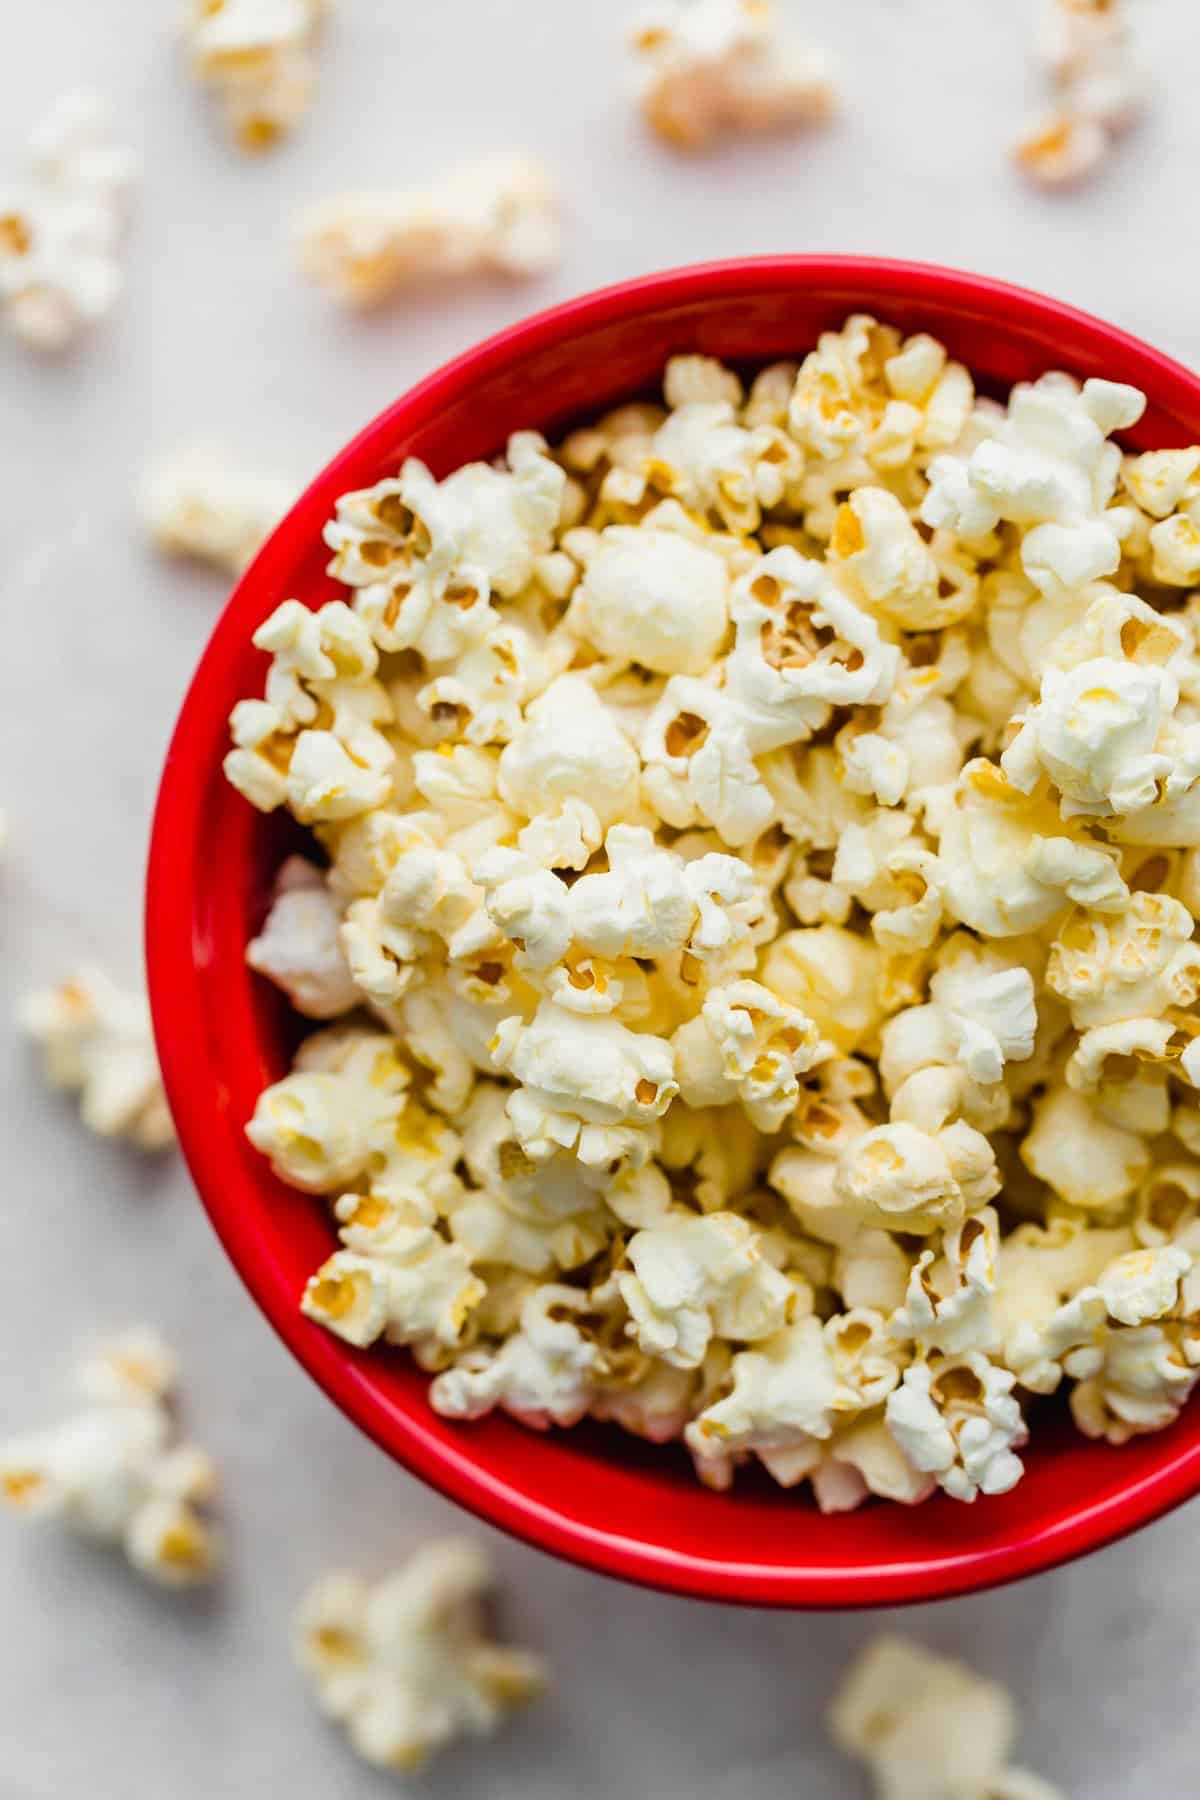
{"x":925,"y":1724}
{"x":404,"y":1664}
{"x":201,"y":501}
{"x":713,"y":66}
{"x":753,"y":921}
{"x":61,"y":225}
{"x":97,"y":1042}
{"x":259,"y":59}
{"x":116,"y":1471}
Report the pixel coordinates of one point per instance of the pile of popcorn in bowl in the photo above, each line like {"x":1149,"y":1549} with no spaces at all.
{"x":749,"y":928}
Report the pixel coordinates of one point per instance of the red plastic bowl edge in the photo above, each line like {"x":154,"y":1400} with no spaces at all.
{"x":175,"y":983}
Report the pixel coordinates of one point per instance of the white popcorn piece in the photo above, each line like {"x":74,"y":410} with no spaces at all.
{"x":1007,"y":865}
{"x":698,"y":768}
{"x":746,"y":1045}
{"x":96,"y":1041}
{"x":1136,"y":964}
{"x":916,"y":1181}
{"x":203,"y":501}
{"x":258,"y":57}
{"x":926,"y":1725}
{"x":496,"y":214}
{"x":802,"y":648}
{"x":655,"y":598}
{"x":1086,"y":1160}
{"x":1094,"y":732}
{"x":888,"y":567}
{"x":299,"y":947}
{"x":570,"y":748}
{"x":398,"y":1278}
{"x":694,"y":1277}
{"x":544,"y":1374}
{"x":1086,"y":47}
{"x":405,"y":1664}
{"x":981,"y":1016}
{"x":956,"y":1418}
{"x":726,"y":65}
{"x":780,"y":1401}
{"x":61,"y":226}
{"x":116,"y":1471}
{"x":866,"y":393}
{"x":948,"y":1304}
{"x":317,"y":1124}
{"x":833,"y":976}
{"x":584,"y":1082}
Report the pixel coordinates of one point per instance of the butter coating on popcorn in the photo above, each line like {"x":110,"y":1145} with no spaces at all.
{"x":404,"y":1664}
{"x":713,"y":66}
{"x":258,"y":56}
{"x":116,"y":1471}
{"x":96,"y":1041}
{"x":61,"y":226}
{"x":755,"y":903}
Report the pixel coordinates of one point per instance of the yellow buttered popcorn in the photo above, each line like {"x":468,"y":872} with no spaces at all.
{"x":752,"y":917}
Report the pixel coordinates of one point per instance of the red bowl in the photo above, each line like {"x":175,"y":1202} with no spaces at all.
{"x":594,"y":1495}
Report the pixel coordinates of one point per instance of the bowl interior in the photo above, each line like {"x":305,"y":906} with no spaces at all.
{"x":592,"y":1493}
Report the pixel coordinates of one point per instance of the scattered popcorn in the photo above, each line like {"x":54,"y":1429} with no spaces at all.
{"x":1087,"y":50}
{"x":755,"y":900}
{"x":926,"y":1726}
{"x":115,"y":1470}
{"x":710,"y":66}
{"x":201,"y":501}
{"x":498,"y":214}
{"x":405,"y":1664}
{"x":97,"y":1041}
{"x":258,"y":56}
{"x":61,"y":227}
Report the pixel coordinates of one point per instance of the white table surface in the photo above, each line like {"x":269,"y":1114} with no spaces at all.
{"x":108,"y":1689}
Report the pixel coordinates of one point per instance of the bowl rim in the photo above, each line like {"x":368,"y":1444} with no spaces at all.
{"x":176,"y":985}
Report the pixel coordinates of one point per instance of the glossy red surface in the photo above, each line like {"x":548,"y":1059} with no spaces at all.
{"x":594,"y":1495}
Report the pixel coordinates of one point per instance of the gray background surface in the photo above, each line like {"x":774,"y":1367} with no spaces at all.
{"x":113,"y":1691}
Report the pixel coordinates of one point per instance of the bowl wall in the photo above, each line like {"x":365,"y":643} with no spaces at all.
{"x":593,"y":1494}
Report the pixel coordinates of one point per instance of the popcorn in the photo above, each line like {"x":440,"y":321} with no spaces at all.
{"x":693,"y":1277}
{"x":584,"y":1082}
{"x":544,"y":1374}
{"x":258,"y":57}
{"x":726,"y":65}
{"x":115,"y":1471}
{"x":404,"y":1664}
{"x":496,"y":214}
{"x":926,"y":1725}
{"x":201,"y":501}
{"x":61,"y":227}
{"x":655,"y":598}
{"x":96,"y":1041}
{"x":763,"y":838}
{"x":955,"y":1417}
{"x":299,"y":948}
{"x":1102,"y":87}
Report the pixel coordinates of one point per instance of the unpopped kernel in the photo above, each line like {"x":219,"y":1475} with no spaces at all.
{"x":404,"y":1664}
{"x":755,"y":929}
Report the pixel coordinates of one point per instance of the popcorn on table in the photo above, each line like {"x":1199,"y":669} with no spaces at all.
{"x":704,"y":67}
{"x":498,"y":214}
{"x":926,"y":1726}
{"x":202,"y":501}
{"x":116,"y":1470}
{"x":259,"y":58}
{"x":96,"y":1041}
{"x":404,"y":1664}
{"x":61,"y":226}
{"x":1101,"y":86}
{"x":752,"y":920}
